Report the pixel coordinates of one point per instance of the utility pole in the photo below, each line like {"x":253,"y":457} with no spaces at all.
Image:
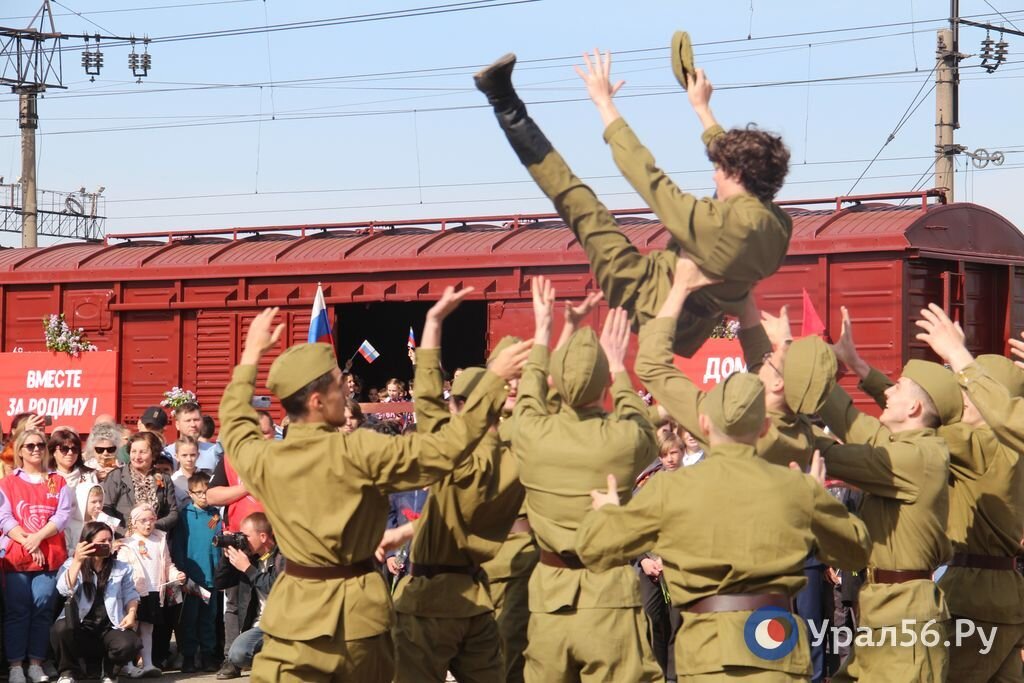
{"x":947,"y":94}
{"x":30,"y":63}
{"x":945,"y":113}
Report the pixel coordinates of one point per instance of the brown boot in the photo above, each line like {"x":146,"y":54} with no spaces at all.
{"x":523,"y":134}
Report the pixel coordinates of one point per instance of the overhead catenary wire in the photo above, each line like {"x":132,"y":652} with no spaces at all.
{"x":907,"y":114}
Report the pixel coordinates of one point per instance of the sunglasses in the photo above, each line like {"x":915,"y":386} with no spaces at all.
{"x":108,"y":450}
{"x":68,"y":449}
{"x":34,"y":446}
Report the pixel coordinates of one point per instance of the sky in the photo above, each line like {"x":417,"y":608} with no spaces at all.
{"x":366,"y":111}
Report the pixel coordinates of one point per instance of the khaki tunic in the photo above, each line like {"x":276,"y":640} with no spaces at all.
{"x":325,"y":494}
{"x":906,"y":507}
{"x":464,"y":522}
{"x":790,"y":437}
{"x":563,"y":457}
{"x":757,"y":543}
{"x":741,"y":240}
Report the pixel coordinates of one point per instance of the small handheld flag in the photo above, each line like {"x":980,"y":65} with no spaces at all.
{"x":411,"y":344}
{"x":812,"y":322}
{"x":319,"y":324}
{"x":367,"y":351}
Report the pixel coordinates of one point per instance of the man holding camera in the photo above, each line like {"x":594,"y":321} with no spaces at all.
{"x":259,"y":566}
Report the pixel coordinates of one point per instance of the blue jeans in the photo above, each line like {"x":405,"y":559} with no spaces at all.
{"x":28,"y":598}
{"x":246,"y":646}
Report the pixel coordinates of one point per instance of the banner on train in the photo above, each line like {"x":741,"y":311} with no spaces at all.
{"x":713,"y":362}
{"x":72,"y":391}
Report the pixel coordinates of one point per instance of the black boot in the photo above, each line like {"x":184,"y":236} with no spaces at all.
{"x":526,"y":138}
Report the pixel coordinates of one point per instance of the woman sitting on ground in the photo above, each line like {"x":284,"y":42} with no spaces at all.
{"x":103,"y":611}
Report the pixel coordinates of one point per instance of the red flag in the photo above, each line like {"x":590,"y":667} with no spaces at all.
{"x":812,"y":323}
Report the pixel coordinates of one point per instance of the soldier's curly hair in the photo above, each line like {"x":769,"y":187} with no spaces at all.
{"x":758,"y":158}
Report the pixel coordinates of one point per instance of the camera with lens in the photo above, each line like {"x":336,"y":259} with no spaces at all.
{"x":235,"y":540}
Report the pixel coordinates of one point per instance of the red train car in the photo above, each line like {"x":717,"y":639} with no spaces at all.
{"x":176,"y":305}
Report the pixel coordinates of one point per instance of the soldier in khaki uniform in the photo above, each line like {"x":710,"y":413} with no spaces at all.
{"x":986,"y":520}
{"x":444,"y":614}
{"x":740,"y":237}
{"x":902,"y":466}
{"x":798,"y":376}
{"x":325,"y":492}
{"x":583,"y":625}
{"x":723,"y":562}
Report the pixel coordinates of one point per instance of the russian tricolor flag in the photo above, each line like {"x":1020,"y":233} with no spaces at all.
{"x":412,"y":340}
{"x":319,"y":324}
{"x":367,"y":351}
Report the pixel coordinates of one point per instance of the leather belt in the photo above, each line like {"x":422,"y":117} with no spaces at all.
{"x":341,"y":571}
{"x":429,"y":571}
{"x":520,"y":526}
{"x":898,"y":575}
{"x":739,"y":602}
{"x":561,"y":561}
{"x":999,"y":562}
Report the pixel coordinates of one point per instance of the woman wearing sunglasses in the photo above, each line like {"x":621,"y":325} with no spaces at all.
{"x":101,"y":448}
{"x":65,"y":448}
{"x":36,"y":507}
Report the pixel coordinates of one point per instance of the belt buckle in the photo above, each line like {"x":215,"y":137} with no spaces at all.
{"x":870,"y":571}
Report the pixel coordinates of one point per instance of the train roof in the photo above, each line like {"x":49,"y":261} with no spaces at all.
{"x":871,"y":223}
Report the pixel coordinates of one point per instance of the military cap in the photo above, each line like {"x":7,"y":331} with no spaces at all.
{"x":466,"y":382}
{"x":580,"y":369}
{"x":505,"y":342}
{"x":298,"y":366}
{"x":1004,"y":371}
{"x":682,"y":57}
{"x":736,"y":406}
{"x":809,"y":374}
{"x":940,"y":385}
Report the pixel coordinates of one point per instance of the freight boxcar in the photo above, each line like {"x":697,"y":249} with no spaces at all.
{"x":176,"y":304}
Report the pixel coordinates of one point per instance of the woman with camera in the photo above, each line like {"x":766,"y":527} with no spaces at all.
{"x":36,"y":507}
{"x":101,"y":610}
{"x":139,"y":483}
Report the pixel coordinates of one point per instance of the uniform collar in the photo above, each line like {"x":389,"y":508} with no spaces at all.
{"x":731,"y":450}
{"x":912,"y":434}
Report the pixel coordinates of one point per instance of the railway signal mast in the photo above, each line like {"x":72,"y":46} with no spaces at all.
{"x":947,"y":94}
{"x":31,"y":59}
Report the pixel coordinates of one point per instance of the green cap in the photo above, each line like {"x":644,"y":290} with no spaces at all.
{"x":1004,"y":371}
{"x":298,"y":366}
{"x":466,"y":382}
{"x":736,"y":406}
{"x":809,"y":374}
{"x":682,"y":57}
{"x":940,"y":385}
{"x":506,"y":341}
{"x":580,"y":369}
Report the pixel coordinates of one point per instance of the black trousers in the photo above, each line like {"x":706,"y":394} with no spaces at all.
{"x":665,"y":621}
{"x":72,"y":645}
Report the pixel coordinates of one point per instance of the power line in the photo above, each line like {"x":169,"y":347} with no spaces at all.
{"x":489,"y":200}
{"x":485,"y":183}
{"x":123,"y":10}
{"x":1002,"y":15}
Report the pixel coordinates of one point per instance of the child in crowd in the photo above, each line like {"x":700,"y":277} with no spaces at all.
{"x":90,"y":502}
{"x":187,"y":450}
{"x":152,"y":569}
{"x":194,"y":549}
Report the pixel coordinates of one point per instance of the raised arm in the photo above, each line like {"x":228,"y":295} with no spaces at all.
{"x":431,"y":411}
{"x":654,"y":366}
{"x":532,"y":392}
{"x":890,"y":471}
{"x":614,"y":535}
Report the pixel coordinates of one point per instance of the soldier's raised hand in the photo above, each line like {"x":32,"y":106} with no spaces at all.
{"x":543,"y":308}
{"x":598,"y":498}
{"x":699,"y":89}
{"x":944,"y":336}
{"x":262,"y":336}
{"x":596,"y":73}
{"x":817,"y":469}
{"x":846,"y":350}
{"x":1017,"y":350}
{"x":615,"y":339}
{"x":777,"y":328}
{"x":449,"y":301}
{"x":509,"y":363}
